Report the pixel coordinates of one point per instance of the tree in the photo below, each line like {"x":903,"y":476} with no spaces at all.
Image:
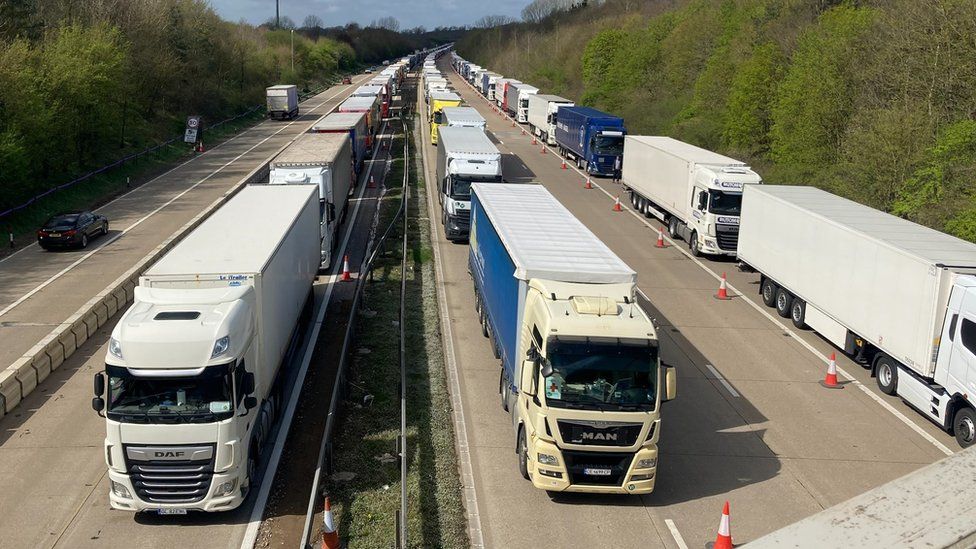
{"x":389,"y":23}
{"x":313,"y":22}
{"x":490,"y":21}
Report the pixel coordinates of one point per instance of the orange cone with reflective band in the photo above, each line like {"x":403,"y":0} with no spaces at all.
{"x":330,"y":534}
{"x":724,"y":538}
{"x":534,"y":142}
{"x":371,"y":184}
{"x":723,"y":290}
{"x":200,"y":147}
{"x":616,"y":202}
{"x":588,"y":185}
{"x":564,"y":165}
{"x":830,"y":380}
{"x":660,"y":238}
{"x":345,"y":268}
{"x":513,"y":123}
{"x":523,"y":131}
{"x":543,"y":150}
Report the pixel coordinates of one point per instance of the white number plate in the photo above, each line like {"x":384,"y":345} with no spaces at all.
{"x":597,"y":472}
{"x":172,"y":511}
{"x":54,"y":234}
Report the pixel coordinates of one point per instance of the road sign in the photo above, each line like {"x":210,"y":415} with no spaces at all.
{"x":192,"y":129}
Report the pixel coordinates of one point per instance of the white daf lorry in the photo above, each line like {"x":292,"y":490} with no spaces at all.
{"x":697,"y":193}
{"x":580,"y":369}
{"x":898,"y":297}
{"x":323,"y":160}
{"x":465,"y":155}
{"x":542,"y":115}
{"x":191,"y":388}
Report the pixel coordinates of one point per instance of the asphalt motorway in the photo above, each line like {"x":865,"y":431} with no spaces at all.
{"x":53,"y":482}
{"x":750,"y":425}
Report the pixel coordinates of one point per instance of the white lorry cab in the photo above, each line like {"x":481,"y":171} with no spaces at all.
{"x":697,"y":193}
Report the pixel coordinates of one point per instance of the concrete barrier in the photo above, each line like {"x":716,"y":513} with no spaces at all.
{"x":22,"y":377}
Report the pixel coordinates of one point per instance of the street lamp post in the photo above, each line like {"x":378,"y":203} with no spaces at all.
{"x":292,"y":50}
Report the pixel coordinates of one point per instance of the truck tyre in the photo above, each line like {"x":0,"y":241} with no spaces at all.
{"x":484,"y":323}
{"x":494,"y":346}
{"x":798,"y":312}
{"x":768,"y":291}
{"x":693,"y":245}
{"x":523,"y":454}
{"x":783,"y":302}
{"x":503,"y":389}
{"x":886,"y":373}
{"x":633,"y":199}
{"x":964,"y":426}
{"x":673,"y":227}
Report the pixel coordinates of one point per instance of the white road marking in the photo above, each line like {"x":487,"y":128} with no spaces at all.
{"x":722,"y":380}
{"x":676,"y":534}
{"x":138,"y":222}
{"x":257,"y":512}
{"x":826,"y":360}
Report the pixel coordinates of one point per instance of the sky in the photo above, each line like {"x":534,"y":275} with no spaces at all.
{"x":410,"y":13}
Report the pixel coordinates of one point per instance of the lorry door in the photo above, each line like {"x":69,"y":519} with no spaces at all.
{"x":699,"y":202}
{"x":962,"y":334}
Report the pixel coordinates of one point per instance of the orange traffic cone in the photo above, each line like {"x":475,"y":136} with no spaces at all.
{"x":564,"y":165}
{"x":345,"y":269}
{"x":371,"y":184}
{"x":523,"y":131}
{"x":534,"y":142}
{"x":330,"y":534}
{"x":724,"y":538}
{"x":660,"y":238}
{"x":513,"y":123}
{"x":200,"y":147}
{"x":830,"y":380}
{"x":723,"y":290}
{"x":588,"y":185}
{"x":616,"y":201}
{"x":543,"y":150}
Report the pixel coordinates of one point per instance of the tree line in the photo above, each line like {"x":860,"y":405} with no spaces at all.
{"x":872,"y":100}
{"x":85,"y":83}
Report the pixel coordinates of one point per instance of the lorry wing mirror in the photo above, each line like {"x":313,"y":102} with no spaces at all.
{"x":527,"y":385}
{"x":250,"y":403}
{"x":99,"y":384}
{"x":546,"y":370}
{"x":670,"y":383}
{"x":248,"y":384}
{"x":98,"y":404}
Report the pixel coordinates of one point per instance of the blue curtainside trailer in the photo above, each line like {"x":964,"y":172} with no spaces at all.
{"x":592,"y":138}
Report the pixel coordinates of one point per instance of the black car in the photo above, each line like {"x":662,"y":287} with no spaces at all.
{"x":71,"y":229}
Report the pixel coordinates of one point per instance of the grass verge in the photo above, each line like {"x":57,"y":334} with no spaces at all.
{"x":365,"y":445}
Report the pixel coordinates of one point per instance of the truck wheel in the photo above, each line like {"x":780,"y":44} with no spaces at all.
{"x":503,"y":389}
{"x":494,"y":346}
{"x":673,"y":227}
{"x":523,"y":455}
{"x":768,"y":290}
{"x":964,"y":426}
{"x":783,"y":302}
{"x":484,"y":323}
{"x":798,"y":312}
{"x":693,"y":245}
{"x":887,"y":375}
{"x":633,"y":199}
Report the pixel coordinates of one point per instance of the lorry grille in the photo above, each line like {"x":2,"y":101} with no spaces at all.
{"x":599,"y":433}
{"x":170,"y":474}
{"x":587,"y":467}
{"x":464,"y":219}
{"x":727,"y":237}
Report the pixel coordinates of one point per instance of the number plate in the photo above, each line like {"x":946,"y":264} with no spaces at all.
{"x":55,"y":235}
{"x":172,"y":511}
{"x":597,"y":472}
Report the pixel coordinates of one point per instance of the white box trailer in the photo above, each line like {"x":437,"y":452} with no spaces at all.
{"x":696,"y":192}
{"x":325,"y":161}
{"x":282,"y":101}
{"x":542,"y":115}
{"x":463,"y":117}
{"x":201,"y":347}
{"x":897,"y":296}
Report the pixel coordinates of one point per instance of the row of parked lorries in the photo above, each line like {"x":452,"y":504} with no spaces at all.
{"x":192,"y":386}
{"x":897,"y":297}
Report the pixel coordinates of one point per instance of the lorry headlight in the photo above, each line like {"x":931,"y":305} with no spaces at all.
{"x":636,"y":478}
{"x":711,"y":230}
{"x":546,"y":459}
{"x":647,"y":463}
{"x":114,"y":347}
{"x":225,"y":488}
{"x":221,"y":346}
{"x":120,"y":490}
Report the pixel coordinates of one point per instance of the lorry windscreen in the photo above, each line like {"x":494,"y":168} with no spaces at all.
{"x":723,"y":203}
{"x":461,"y":186}
{"x":605,"y":377}
{"x":202,"y":398}
{"x":608,"y":144}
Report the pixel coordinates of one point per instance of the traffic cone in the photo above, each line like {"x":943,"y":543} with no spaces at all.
{"x":543,"y":151}
{"x":660,"y":239}
{"x":345,"y":269}
{"x":534,"y":142}
{"x":830,"y":380}
{"x":523,"y":131}
{"x":200,"y":147}
{"x":588,"y":185}
{"x":723,"y":290}
{"x":564,"y":165}
{"x":724,"y":538}
{"x":371,"y":184}
{"x":513,"y":123}
{"x":616,"y":201}
{"x":330,"y":534}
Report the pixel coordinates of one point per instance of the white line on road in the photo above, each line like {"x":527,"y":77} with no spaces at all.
{"x":257,"y":512}
{"x":826,"y":360}
{"x":676,"y":534}
{"x":138,"y":222}
{"x":722,"y":380}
